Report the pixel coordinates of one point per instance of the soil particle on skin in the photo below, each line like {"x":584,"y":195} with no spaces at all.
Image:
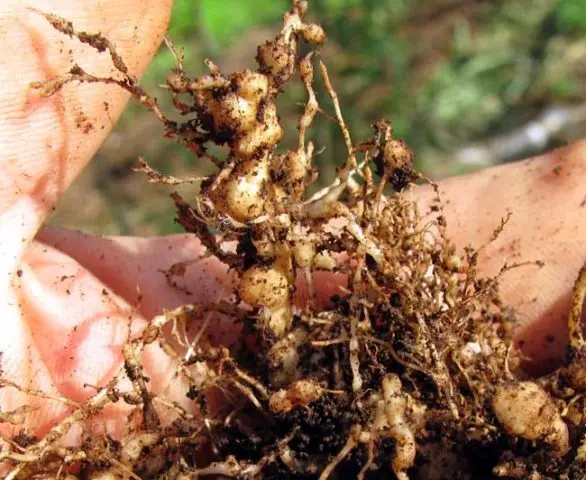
{"x":409,"y":371}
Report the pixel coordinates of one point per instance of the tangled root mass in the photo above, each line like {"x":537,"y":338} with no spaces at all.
{"x":407,"y":371}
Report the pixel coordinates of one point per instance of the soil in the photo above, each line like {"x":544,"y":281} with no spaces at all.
{"x":408,"y":371}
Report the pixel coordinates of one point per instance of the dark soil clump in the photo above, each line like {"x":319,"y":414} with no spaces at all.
{"x":409,"y":370}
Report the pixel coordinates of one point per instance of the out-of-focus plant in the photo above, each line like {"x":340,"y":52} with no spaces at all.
{"x":446,"y":72}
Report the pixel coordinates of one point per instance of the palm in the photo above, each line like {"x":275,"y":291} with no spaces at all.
{"x":68,"y":296}
{"x":61,"y":331}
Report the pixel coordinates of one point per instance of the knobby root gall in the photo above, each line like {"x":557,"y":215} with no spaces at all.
{"x":525,"y":410}
{"x":407,"y":370}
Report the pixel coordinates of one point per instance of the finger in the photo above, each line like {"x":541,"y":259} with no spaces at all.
{"x":547,"y":199}
{"x":133,"y":266}
{"x":47,"y":141}
{"x":72,"y":341}
{"x":129,"y":265}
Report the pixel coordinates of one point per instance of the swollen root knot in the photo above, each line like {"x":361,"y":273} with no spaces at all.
{"x":363,"y":343}
{"x":525,"y":410}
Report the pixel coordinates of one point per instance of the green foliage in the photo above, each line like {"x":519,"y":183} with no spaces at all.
{"x":491,"y":61}
{"x":571,"y":16}
{"x":226,"y":19}
{"x":446,"y":73}
{"x":163,"y":221}
{"x":185,"y":18}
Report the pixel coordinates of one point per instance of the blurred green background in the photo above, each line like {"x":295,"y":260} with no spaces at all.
{"x":467,"y":83}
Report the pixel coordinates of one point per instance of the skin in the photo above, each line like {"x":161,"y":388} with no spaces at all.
{"x":66,"y":297}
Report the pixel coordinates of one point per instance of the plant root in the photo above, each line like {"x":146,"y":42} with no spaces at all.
{"x":408,"y":370}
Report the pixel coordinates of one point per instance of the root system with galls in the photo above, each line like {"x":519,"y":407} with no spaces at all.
{"x":407,"y":371}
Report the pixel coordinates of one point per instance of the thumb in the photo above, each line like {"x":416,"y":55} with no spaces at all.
{"x":46,"y":142}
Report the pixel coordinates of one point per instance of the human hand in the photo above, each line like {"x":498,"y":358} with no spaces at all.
{"x":65,"y":319}
{"x":67,"y":296}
